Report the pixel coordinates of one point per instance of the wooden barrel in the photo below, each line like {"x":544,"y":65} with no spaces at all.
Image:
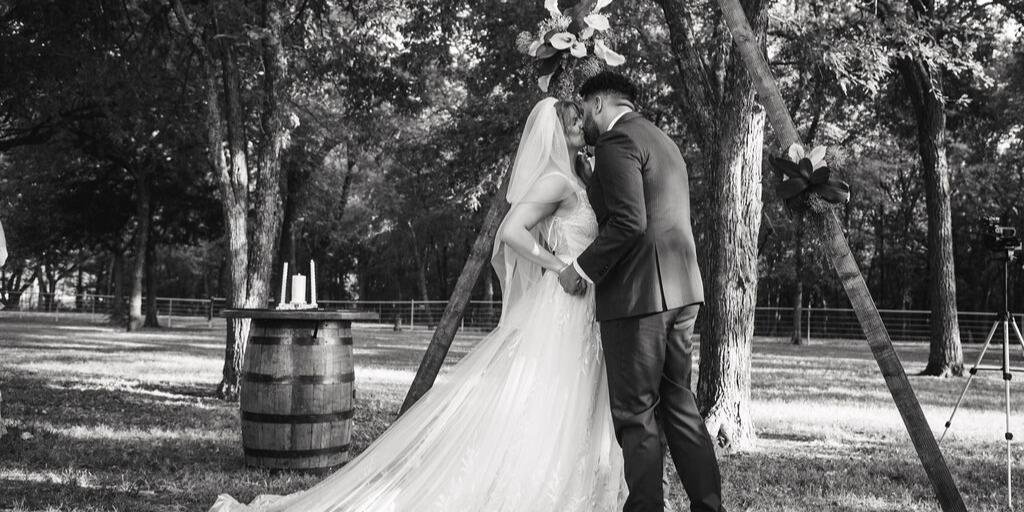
{"x":297,"y":394}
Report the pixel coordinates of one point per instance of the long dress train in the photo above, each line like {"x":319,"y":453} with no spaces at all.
{"x":522,"y":424}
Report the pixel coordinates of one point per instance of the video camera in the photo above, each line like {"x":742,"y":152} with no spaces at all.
{"x":1000,"y":238}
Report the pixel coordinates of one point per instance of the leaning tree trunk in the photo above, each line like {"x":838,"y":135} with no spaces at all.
{"x":945,"y":354}
{"x":839,"y":253}
{"x":727,"y":326}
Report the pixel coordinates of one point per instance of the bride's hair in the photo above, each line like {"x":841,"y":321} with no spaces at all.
{"x":569,"y":112}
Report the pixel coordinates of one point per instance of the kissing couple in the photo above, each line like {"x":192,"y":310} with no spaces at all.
{"x":570,"y":403}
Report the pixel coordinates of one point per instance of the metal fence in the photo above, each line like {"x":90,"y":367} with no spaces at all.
{"x":903,"y":325}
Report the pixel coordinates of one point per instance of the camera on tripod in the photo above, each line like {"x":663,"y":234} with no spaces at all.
{"x":1000,"y":238}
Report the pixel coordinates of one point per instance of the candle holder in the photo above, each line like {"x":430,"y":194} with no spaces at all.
{"x":298,"y":290}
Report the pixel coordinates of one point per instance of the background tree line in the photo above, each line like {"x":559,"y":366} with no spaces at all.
{"x":187,"y":148}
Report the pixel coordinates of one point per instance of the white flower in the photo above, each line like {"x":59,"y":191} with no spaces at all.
{"x":544,"y":81}
{"x":534,"y":46}
{"x":552,"y":7}
{"x":796,"y":152}
{"x":608,"y":55}
{"x":601,"y":4}
{"x":587,"y":33}
{"x":562,"y":40}
{"x":816,"y":156}
{"x":578,"y":50}
{"x":597,"y":21}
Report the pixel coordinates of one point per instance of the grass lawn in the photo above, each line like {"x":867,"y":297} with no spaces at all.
{"x":105,"y":420}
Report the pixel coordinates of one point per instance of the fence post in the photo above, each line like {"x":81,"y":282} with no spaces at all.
{"x":170,"y":314}
{"x":412,"y":313}
{"x":809,"y":309}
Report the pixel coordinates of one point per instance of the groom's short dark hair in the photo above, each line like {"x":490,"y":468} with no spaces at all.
{"x":610,"y":82}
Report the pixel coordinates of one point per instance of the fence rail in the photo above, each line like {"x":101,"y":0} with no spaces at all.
{"x":903,"y":325}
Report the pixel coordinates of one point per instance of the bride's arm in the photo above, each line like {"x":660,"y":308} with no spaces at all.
{"x":541,"y":202}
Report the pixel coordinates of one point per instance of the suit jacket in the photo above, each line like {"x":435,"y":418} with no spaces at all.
{"x":643,"y":260}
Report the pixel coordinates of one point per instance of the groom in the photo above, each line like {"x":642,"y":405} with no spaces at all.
{"x":648,"y":290}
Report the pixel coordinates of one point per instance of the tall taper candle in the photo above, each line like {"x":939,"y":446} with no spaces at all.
{"x":284,"y":280}
{"x":312,"y":282}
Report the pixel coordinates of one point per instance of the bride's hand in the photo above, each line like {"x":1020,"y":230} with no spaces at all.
{"x":584,"y":166}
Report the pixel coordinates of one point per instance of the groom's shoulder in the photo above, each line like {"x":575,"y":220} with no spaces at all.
{"x":624,"y":127}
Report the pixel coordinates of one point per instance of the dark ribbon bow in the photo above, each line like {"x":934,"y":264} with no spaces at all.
{"x":800,"y":179}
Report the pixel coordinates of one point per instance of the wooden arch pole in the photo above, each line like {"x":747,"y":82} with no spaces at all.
{"x":853,"y":281}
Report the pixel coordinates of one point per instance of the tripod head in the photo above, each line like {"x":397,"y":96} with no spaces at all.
{"x":1000,"y":239}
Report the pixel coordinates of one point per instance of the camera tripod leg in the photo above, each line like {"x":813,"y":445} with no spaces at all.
{"x":973,"y":371}
{"x":1007,"y":376}
{"x":1016,"y":330}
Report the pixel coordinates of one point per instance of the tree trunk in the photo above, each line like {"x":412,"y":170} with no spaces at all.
{"x":234,"y":185}
{"x":727,"y":327}
{"x":269,"y":207}
{"x":138,"y":271}
{"x":118,"y":312}
{"x":80,"y":290}
{"x":945,"y":354}
{"x":152,"y":318}
{"x":729,"y":128}
{"x":798,"y":294}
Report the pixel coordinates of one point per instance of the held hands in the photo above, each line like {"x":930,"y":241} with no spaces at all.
{"x":571,"y":281}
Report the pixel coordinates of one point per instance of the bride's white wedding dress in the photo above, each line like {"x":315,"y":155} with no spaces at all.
{"x":522,"y":423}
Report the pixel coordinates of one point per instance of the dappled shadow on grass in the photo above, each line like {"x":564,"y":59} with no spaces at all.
{"x":861,"y":476}
{"x":129,"y":422}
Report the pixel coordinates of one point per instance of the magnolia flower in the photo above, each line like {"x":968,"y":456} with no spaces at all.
{"x":578,"y":50}
{"x":562,"y":40}
{"x":532,"y":50}
{"x":552,"y":7}
{"x":607,"y":54}
{"x":597,"y":21}
{"x":817,"y":155}
{"x":803,"y":175}
{"x":544,"y":81}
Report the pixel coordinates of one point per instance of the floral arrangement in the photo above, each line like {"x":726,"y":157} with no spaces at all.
{"x":576,"y":47}
{"x":805,"y":176}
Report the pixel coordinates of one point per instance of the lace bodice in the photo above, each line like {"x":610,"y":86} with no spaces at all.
{"x":569,"y":233}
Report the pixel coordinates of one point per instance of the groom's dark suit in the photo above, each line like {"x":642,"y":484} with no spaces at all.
{"x":648,"y":289}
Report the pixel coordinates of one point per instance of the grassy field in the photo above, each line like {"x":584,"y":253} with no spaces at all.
{"x":99,"y":419}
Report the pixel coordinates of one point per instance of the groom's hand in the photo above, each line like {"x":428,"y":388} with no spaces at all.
{"x":571,"y":281}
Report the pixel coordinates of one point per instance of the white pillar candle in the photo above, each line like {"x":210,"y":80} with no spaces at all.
{"x":312,"y":282}
{"x":284,"y":281}
{"x":298,"y":289}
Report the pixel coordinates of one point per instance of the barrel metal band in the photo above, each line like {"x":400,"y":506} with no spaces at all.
{"x":294,"y":454}
{"x":260,"y":417}
{"x":265,"y":378}
{"x":300,"y":340}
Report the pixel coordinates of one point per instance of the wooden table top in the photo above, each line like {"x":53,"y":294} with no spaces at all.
{"x":300,"y":314}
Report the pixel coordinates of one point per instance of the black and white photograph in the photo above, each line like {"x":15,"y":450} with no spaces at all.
{"x":511,"y":255}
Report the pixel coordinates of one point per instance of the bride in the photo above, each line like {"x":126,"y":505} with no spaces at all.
{"x":522,"y":423}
